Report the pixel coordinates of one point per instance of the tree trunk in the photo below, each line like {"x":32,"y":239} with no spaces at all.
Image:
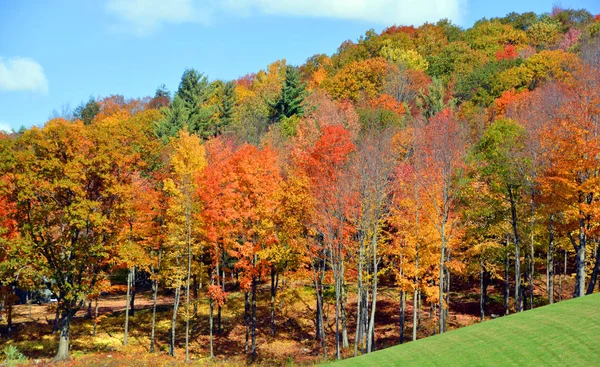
{"x":247,"y":319}
{"x":187,"y":289}
{"x":345,"y":343}
{"x":174,"y":321}
{"x":359,"y":290}
{"x":562,"y":276}
{"x":320,"y":326}
{"x":580,"y":261}
{"x":506,"y":277}
{"x":95,"y":316}
{"x":220,"y":328}
{"x":419,"y":308}
{"x":63,"y":342}
{"x":336,"y":277}
{"x":594,"y":277}
{"x":371,"y":330}
{"x":56,"y":320}
{"x":481,"y":276}
{"x":195,"y":288}
{"x":273,"y":295}
{"x":154,"y":299}
{"x":132,"y":295}
{"x":402,"y":315}
{"x":9,"y":317}
{"x":441,"y":279}
{"x":416,"y":318}
{"x":210,"y":324}
{"x":531,"y":254}
{"x":253,"y":351}
{"x":415,"y":313}
{"x":513,"y":212}
{"x":550,"y":262}
{"x":129,"y":273}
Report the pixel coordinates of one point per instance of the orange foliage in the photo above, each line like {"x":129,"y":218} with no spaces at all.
{"x":388,"y":102}
{"x":508,"y":98}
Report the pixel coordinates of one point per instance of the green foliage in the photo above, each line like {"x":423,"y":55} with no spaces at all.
{"x":571,"y":18}
{"x":456,"y":59}
{"x":544,"y":34}
{"x":491,"y":36}
{"x":86,"y":112}
{"x":432,"y":101}
{"x":498,"y":152}
{"x":226,"y":107}
{"x":289,"y":125}
{"x":482,"y":86}
{"x":12,"y":356}
{"x":291,"y":98}
{"x":190,"y":108}
{"x":452,"y":31}
{"x":520,"y":21}
{"x":379,"y":118}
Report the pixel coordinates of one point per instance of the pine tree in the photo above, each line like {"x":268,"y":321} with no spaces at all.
{"x":226,"y":106}
{"x":175,"y":118}
{"x":291,"y":98}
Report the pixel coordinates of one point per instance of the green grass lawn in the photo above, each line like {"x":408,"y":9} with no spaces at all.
{"x":562,"y":334}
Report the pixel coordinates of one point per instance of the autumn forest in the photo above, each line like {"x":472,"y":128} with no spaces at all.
{"x":446,"y":175}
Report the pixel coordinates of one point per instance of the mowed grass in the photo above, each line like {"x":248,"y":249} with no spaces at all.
{"x":562,"y":334}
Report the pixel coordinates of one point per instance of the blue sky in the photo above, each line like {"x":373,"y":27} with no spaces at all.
{"x":54,"y":53}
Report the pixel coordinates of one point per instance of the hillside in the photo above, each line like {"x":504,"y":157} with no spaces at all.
{"x":562,"y":334}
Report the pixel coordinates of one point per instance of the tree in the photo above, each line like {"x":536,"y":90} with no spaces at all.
{"x":357,"y":79}
{"x":326,"y":165}
{"x":186,"y":162}
{"x":86,"y":112}
{"x":499,"y":155}
{"x":439,"y":162}
{"x":290,"y":102}
{"x":226,"y":107}
{"x":375,"y":165}
{"x":162,"y":98}
{"x":64,"y":211}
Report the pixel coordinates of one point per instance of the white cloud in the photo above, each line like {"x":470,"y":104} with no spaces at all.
{"x":143,"y":17}
{"x":386,"y":12}
{"x":22,"y":74}
{"x":5,"y":127}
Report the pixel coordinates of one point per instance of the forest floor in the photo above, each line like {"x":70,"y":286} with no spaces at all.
{"x":563,"y":334}
{"x":293,"y":344}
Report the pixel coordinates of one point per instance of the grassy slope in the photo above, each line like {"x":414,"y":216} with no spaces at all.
{"x":562,"y":334}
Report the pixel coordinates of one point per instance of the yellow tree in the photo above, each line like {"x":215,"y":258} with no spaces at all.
{"x":186,"y":163}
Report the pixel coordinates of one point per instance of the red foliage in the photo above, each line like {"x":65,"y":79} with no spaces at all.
{"x":597,"y":18}
{"x":410,"y":30}
{"x":508,"y":53}
{"x":246,"y":80}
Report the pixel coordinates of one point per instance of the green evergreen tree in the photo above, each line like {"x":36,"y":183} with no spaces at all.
{"x":87,"y":112}
{"x":192,"y":88}
{"x":291,"y":98}
{"x":226,"y":106}
{"x":176,"y":117}
{"x":432,"y":102}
